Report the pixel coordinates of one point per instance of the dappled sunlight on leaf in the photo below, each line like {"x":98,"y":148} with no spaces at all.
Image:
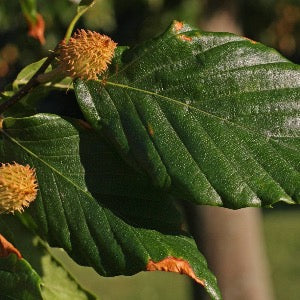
{"x":6,"y":248}
{"x":210,"y":117}
{"x":103,"y":213}
{"x":176,"y":265}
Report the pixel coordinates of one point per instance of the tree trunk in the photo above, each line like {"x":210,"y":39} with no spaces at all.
{"x":232,"y":241}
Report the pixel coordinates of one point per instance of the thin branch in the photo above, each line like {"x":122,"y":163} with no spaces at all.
{"x":82,"y":8}
{"x":32,"y":83}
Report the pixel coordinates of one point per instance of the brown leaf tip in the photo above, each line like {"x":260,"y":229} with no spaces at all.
{"x":185,"y":38}
{"x":18,"y":187}
{"x":178,"y":26}
{"x":7,"y":248}
{"x":36,"y":29}
{"x":251,"y":41}
{"x":86,"y":55}
{"x":173,"y":264}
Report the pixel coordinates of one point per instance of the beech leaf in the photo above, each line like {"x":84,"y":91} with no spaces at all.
{"x":103,"y":213}
{"x":212,"y":117}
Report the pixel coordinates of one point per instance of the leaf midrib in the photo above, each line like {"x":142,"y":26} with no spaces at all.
{"x":218,"y":149}
{"x":180,"y":103}
{"x":60,"y":174}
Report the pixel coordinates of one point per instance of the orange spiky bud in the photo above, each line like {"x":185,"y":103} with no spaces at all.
{"x":86,"y":55}
{"x":18,"y":187}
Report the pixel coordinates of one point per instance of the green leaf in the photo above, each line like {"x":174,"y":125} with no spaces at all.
{"x":211,"y":116}
{"x":57,"y":283}
{"x":18,"y":280}
{"x":83,"y":6}
{"x":104,"y":214}
{"x":29,"y":10}
{"x":27,"y":72}
{"x":30,"y":103}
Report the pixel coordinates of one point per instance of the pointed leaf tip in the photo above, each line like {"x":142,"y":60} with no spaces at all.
{"x":37,"y":29}
{"x":7,"y":248}
{"x":176,"y":265}
{"x":179,"y":27}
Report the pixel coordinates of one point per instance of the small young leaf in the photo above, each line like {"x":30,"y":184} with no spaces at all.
{"x":27,"y":72}
{"x":84,"y":5}
{"x":29,"y":9}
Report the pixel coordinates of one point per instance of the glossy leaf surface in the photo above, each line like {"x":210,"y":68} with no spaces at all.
{"x":212,"y":117}
{"x":104,"y":214}
{"x":35,"y":21}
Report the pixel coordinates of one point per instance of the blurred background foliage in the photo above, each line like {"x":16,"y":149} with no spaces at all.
{"x":272,"y":22}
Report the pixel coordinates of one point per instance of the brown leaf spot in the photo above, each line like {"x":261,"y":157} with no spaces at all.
{"x":178,"y":26}
{"x":251,"y":41}
{"x":7,"y":248}
{"x":173,"y":264}
{"x":150,"y":130}
{"x":36,"y":29}
{"x":84,"y":124}
{"x":185,"y":38}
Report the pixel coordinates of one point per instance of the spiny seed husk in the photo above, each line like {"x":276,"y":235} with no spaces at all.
{"x":86,"y":55}
{"x":18,"y":187}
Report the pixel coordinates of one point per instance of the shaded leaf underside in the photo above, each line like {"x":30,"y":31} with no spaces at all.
{"x":212,"y":117}
{"x":100,"y":211}
{"x":18,"y":280}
